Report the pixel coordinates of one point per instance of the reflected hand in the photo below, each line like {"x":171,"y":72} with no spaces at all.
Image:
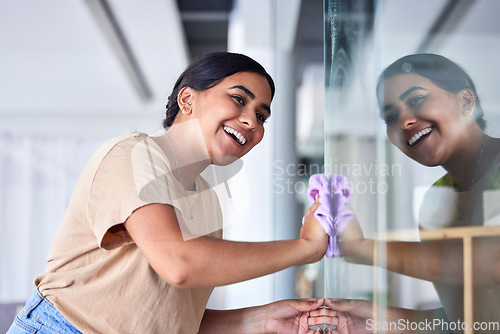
{"x":352,"y":315}
{"x":351,"y":239}
{"x":296,"y":316}
{"x":352,"y":231}
{"x":355,"y":316}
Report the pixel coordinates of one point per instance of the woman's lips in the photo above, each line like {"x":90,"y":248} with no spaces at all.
{"x":417,"y":137}
{"x":236,"y":135}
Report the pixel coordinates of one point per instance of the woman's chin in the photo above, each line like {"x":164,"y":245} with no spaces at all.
{"x":223,"y":160}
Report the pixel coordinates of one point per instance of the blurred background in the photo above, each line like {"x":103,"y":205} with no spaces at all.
{"x":74,"y":73}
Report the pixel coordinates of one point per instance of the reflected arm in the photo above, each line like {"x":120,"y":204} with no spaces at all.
{"x":433,"y":260}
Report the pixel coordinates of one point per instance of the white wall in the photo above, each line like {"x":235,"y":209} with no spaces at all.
{"x":64,"y":90}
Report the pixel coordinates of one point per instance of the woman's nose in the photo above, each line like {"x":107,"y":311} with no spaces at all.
{"x":406,"y":119}
{"x":249,"y":119}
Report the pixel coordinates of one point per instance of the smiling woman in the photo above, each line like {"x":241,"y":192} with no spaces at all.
{"x":207,"y":72}
{"x":140,"y":248}
{"x":429,"y":103}
{"x":432,"y":115}
{"x":234,"y":109}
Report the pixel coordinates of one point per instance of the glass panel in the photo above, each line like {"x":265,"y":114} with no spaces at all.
{"x":434,"y":130}
{"x":350,"y":130}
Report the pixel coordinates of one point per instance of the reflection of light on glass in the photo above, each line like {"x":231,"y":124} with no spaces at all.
{"x":231,"y":185}
{"x":198,"y":212}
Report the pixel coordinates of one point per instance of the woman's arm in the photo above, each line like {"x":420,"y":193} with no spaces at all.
{"x":431,"y":260}
{"x":206,"y":261}
{"x":286,"y":316}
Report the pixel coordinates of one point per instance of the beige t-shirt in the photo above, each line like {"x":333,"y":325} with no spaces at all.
{"x":106,"y":285}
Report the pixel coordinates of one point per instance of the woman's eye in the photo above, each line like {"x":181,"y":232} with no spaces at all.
{"x":261,"y":117}
{"x":390,"y":118}
{"x":415,"y":100}
{"x":239,"y":99}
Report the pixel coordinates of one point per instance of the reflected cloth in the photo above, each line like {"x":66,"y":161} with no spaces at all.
{"x":332,"y":214}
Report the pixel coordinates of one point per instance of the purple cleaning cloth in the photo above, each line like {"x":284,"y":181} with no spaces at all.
{"x":332,"y":214}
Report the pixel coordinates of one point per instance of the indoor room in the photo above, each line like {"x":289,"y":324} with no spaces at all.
{"x":77,"y":73}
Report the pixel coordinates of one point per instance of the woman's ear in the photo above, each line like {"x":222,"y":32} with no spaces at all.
{"x":468,"y":100}
{"x":184,"y":100}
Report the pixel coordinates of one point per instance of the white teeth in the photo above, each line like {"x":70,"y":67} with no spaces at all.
{"x":242,"y":140}
{"x":418,"y":135}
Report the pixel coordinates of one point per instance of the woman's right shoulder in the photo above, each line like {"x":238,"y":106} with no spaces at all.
{"x":127,"y":142}
{"x":125,"y":146}
{"x":129,"y":137}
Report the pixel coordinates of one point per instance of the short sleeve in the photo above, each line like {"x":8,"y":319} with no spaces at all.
{"x":132,"y":174}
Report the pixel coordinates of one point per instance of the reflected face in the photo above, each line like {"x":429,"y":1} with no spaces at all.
{"x":427,"y":123}
{"x":232,"y":115}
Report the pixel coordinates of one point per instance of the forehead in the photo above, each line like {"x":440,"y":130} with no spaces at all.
{"x":404,"y":80}
{"x":399,"y":83}
{"x":255,"y":82}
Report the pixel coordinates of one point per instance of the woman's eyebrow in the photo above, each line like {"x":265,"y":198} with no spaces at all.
{"x":252,"y":96}
{"x":408,"y":92}
{"x":401,"y":97}
{"x":246,"y":90}
{"x":266,"y":108}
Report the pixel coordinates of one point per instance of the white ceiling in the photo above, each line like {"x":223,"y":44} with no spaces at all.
{"x":473,"y":42}
{"x":469,"y":35}
{"x":55,"y":60}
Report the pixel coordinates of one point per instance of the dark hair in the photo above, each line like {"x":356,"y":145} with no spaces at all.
{"x":440,"y":70}
{"x":209,"y":70}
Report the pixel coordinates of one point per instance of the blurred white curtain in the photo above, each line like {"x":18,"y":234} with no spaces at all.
{"x":37,"y":176}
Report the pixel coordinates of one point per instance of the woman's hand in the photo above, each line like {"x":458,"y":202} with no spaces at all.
{"x":353,"y":245}
{"x":313,"y":232}
{"x":356,"y":316}
{"x":353,"y":316}
{"x":296,"y":316}
{"x":352,"y":231}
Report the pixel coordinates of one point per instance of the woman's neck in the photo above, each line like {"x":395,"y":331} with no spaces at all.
{"x":184,"y":147}
{"x":473,"y":160}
